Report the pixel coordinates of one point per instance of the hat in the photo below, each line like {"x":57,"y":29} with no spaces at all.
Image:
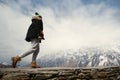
{"x":37,"y":16}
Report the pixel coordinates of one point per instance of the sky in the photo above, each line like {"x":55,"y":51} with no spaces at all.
{"x":68,"y":24}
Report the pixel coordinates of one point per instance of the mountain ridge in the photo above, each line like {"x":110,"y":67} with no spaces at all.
{"x":83,"y":57}
{"x":87,"y":57}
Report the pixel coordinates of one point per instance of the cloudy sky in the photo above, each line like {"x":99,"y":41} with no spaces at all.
{"x":68,"y":24}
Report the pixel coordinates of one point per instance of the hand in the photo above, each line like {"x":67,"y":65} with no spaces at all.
{"x":42,"y":35}
{"x":41,"y":32}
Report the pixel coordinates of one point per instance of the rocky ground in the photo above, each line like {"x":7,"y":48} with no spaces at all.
{"x":99,"y":73}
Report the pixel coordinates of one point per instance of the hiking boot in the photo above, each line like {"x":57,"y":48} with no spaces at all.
{"x":15,"y":60}
{"x":34,"y":65}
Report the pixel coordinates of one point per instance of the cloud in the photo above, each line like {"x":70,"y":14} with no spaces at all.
{"x":67,"y":25}
{"x":86,"y":25}
{"x":12,"y":31}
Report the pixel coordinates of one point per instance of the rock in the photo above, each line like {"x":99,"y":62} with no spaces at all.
{"x":1,"y":74}
{"x":81,"y":75}
{"x":118,"y":78}
{"x":16,"y":76}
{"x":102,"y":75}
{"x":94,"y":73}
{"x":107,"y":73}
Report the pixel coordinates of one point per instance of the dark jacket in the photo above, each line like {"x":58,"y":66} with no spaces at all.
{"x":34,"y":30}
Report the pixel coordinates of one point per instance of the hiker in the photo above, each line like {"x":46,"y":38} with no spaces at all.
{"x":34,"y":35}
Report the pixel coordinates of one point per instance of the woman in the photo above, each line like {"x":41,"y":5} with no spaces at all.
{"x":34,"y":35}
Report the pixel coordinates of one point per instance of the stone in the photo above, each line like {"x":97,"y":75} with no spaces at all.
{"x":1,"y":74}
{"x":16,"y":76}
{"x":94,"y":73}
{"x":65,"y":74}
{"x":118,"y":78}
{"x":107,"y":73}
{"x":81,"y":75}
{"x":102,"y":74}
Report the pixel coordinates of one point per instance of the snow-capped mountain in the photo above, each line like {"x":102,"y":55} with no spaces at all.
{"x":86,"y":57}
{"x":5,"y":65}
